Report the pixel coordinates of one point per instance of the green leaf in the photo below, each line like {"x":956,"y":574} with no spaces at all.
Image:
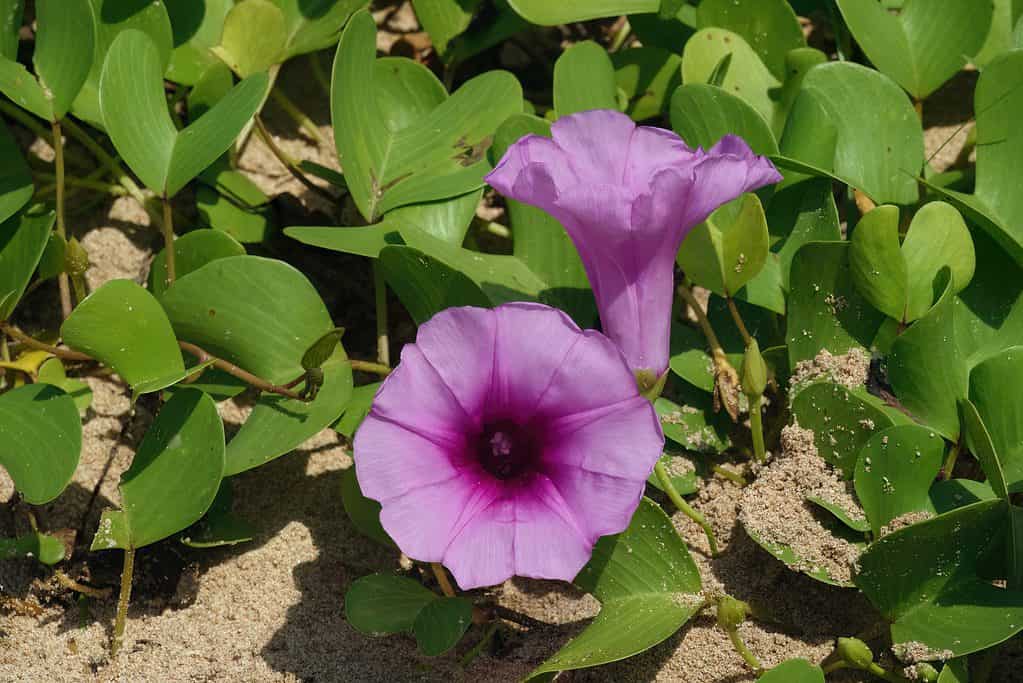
{"x":228,"y":201}
{"x":219,"y":526}
{"x":859,"y":525}
{"x":747,"y":76}
{"x":648,"y":586}
{"x":955,"y":671}
{"x":648,"y":76}
{"x":51,"y":264}
{"x":52,"y":372}
{"x":696,"y":428}
{"x":842,"y":421}
{"x":670,"y":34}
{"x":927,"y":369}
{"x":567,"y":11}
{"x":441,"y":624}
{"x":15,"y":178}
{"x":769,"y":26}
{"x":894,"y":472}
{"x":258,"y":313}
{"x":703,"y":114}
{"x":362,"y":511}
{"x":878,"y":266}
{"x":385,"y":603}
{"x":937,"y":238}
{"x":247,"y":19}
{"x":728,"y":249}
{"x":950,"y":494}
{"x":928,"y":580}
{"x":878,"y":140}
{"x":541,"y":243}
{"x":981,"y":445}
{"x":45,"y":548}
{"x":315,"y":24}
{"x":993,"y":393}
{"x":440,"y":154}
{"x":825,"y":310}
{"x":798,"y":214}
{"x":191,"y":252}
{"x":278,"y":424}
{"x":444,"y":19}
{"x":684,"y":484}
{"x":426,"y":286}
{"x":356,"y":410}
{"x":111,"y":18}
{"x":23,"y":239}
{"x":173,"y":478}
{"x":136,"y":116}
{"x":123,"y":326}
{"x":793,"y":671}
{"x":63,"y":51}
{"x":922,"y":46}
{"x":40,"y":440}
{"x":11,"y":15}
{"x":584,"y":79}
{"x":197,"y":27}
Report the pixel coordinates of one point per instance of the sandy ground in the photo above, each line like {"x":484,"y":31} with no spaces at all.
{"x":272,"y":609}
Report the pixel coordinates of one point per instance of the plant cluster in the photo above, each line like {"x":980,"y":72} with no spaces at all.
{"x":788,"y":296}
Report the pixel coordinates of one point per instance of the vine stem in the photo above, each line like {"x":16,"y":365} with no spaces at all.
{"x":443,"y":580}
{"x":69,"y":583}
{"x":289,"y":162}
{"x":747,"y":655}
{"x":756,"y":423}
{"x":684,"y":507}
{"x":122,"y":600}
{"x":63,"y":282}
{"x":739,"y":321}
{"x":368,"y":366}
{"x":232,"y":369}
{"x":950,"y":461}
{"x":15,"y":333}
{"x":380,"y":294}
{"x":297,"y":115}
{"x":88,"y":183}
{"x":167,"y":227}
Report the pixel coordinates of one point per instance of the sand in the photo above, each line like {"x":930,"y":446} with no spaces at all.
{"x":272,"y":609}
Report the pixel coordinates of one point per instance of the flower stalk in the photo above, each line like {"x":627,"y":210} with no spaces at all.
{"x":726,"y":379}
{"x":122,"y":601}
{"x":685,"y":508}
{"x":63,"y":282}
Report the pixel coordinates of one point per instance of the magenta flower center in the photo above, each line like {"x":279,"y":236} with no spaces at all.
{"x":506,"y":449}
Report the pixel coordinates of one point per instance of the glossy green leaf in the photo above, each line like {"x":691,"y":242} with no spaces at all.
{"x":136,"y":116}
{"x":43,"y":547}
{"x":979,"y":440}
{"x":922,"y":46}
{"x":798,"y":214}
{"x":228,"y":201}
{"x":993,"y":393}
{"x":793,"y":671}
{"x":425,"y":285}
{"x":362,"y":511}
{"x":197,"y":26}
{"x":444,"y":19}
{"x":315,"y":24}
{"x":842,"y":515}
{"x":670,"y":33}
{"x":23,"y":238}
{"x":927,"y":580}
{"x":15,"y":178}
{"x":238,"y":48}
{"x":52,"y":372}
{"x":64,"y":49}
{"x":191,"y":252}
{"x":173,"y":477}
{"x":541,"y":243}
{"x":385,"y":603}
{"x":769,"y":26}
{"x":11,"y":16}
{"x":695,"y":428}
{"x":877,"y":264}
{"x":825,"y":310}
{"x":278,"y":424}
{"x":702,"y":114}
{"x":955,"y":671}
{"x":357,"y":409}
{"x":258,"y":313}
{"x":648,"y":586}
{"x":584,"y":79}
{"x":950,"y":494}
{"x":219,"y":526}
{"x":567,"y":11}
{"x":878,"y":140}
{"x":647,"y":76}
{"x":122,"y":325}
{"x":51,"y":264}
{"x":728,"y":249}
{"x":440,"y":154}
{"x":937,"y":238}
{"x":441,"y":624}
{"x":927,"y":369}
{"x":894,"y":472}
{"x":40,"y":440}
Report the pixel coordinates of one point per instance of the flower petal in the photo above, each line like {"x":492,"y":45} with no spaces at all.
{"x":482,"y":552}
{"x":596,"y":144}
{"x":727,"y":171}
{"x":391,"y":460}
{"x":621,"y":440}
{"x":532,"y":170}
{"x":652,"y":150}
{"x":548,"y":541}
{"x":459,"y":344}
{"x":609,"y":502}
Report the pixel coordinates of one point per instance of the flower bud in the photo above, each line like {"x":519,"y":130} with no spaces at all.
{"x":76,"y":259}
{"x":754,"y":371}
{"x":925,"y":672}
{"x":731,"y":612}
{"x":855,"y":652}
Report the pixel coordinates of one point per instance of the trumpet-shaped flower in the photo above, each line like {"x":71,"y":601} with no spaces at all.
{"x":506,"y":442}
{"x":628,"y":195}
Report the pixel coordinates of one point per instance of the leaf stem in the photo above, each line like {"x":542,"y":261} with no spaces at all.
{"x":756,"y":423}
{"x":442,"y":578}
{"x":297,"y":115}
{"x":122,"y":600}
{"x":371,"y":367}
{"x":472,"y":654}
{"x":15,"y":333}
{"x":950,"y":461}
{"x":232,"y":369}
{"x":64,"y":284}
{"x":684,"y":507}
{"x":733,"y":477}
{"x":167,"y":226}
{"x":380,"y":294}
{"x":289,"y":162}
{"x":88,"y":183}
{"x":747,"y":655}
{"x":319,"y":75}
{"x":746,"y":338}
{"x":69,"y":583}
{"x":726,"y":379}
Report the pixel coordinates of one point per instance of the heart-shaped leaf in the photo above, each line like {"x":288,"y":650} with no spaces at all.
{"x":694,"y":428}
{"x":356,"y":410}
{"x":314,"y":24}
{"x":922,"y":46}
{"x":219,"y":526}
{"x":123,"y":326}
{"x":258,"y":313}
{"x":584,"y":79}
{"x":425,"y":285}
{"x":441,"y":624}
{"x":937,"y":238}
{"x":998,"y":405}
{"x":702,"y":114}
{"x":191,"y":252}
{"x":442,"y":154}
{"x":246,"y":19}
{"x":648,"y":76}
{"x":568,"y":11}
{"x":228,"y":201}
{"x":668,"y":33}
{"x":23,"y":238}
{"x":173,"y":478}
{"x":385,"y":603}
{"x":878,"y":267}
{"x":444,"y":19}
{"x":769,"y":26}
{"x":197,"y":27}
{"x":648,"y":586}
{"x":40,"y":440}
{"x":894,"y":472}
{"x":798,"y":214}
{"x":136,"y":116}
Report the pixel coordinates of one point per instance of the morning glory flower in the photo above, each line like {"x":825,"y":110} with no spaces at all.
{"x":628,"y":195}
{"x":506,"y":442}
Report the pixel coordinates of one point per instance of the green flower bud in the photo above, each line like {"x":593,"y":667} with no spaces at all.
{"x":754,"y":372}
{"x":650,"y":386}
{"x":76,"y":259}
{"x":731,"y":612}
{"x":926,"y":673}
{"x":855,"y":652}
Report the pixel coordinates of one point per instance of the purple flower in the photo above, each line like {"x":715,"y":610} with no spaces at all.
{"x":506,"y":443}
{"x":628,"y":196}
